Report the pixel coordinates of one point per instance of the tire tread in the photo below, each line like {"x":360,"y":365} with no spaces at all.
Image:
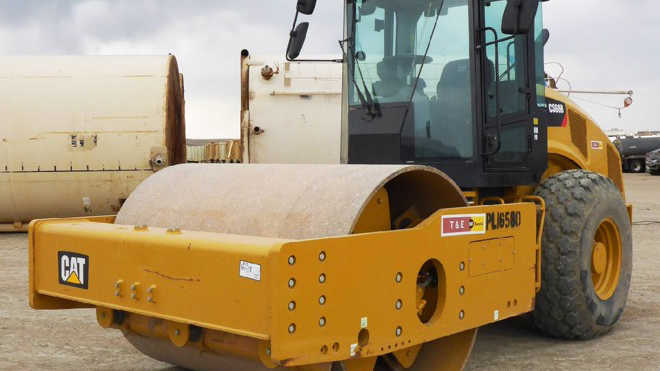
{"x":562,"y":308}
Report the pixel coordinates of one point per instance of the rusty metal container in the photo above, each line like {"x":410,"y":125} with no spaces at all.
{"x":78,"y":134}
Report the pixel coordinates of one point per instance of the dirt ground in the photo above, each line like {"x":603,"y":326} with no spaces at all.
{"x":72,"y":339}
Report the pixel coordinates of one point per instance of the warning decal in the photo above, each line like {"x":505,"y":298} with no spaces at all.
{"x":250,"y":270}
{"x":457,"y":225}
{"x":73,"y":269}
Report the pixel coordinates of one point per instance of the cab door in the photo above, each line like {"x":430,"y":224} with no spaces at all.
{"x":509,"y":95}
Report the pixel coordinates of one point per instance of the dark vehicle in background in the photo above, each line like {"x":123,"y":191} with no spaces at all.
{"x":633,"y":152}
{"x":653,"y":162}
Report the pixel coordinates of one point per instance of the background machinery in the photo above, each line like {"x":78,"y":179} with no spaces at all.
{"x":633,"y":152}
{"x":653,"y":162}
{"x":465,"y":193}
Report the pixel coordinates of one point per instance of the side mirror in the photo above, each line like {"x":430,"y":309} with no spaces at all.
{"x":297,"y":41}
{"x":545,"y":36}
{"x":367,"y":8}
{"x":306,"y":6}
{"x":519,"y":16}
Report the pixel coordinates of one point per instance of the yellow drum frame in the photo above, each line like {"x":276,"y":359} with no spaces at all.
{"x":340,"y":287}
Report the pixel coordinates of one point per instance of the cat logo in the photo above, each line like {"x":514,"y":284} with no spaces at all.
{"x":73,"y":269}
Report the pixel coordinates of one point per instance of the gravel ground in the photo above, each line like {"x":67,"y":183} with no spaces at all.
{"x":73,"y":340}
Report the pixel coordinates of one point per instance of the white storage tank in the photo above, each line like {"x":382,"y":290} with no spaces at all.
{"x":289,"y":109}
{"x":78,"y":134}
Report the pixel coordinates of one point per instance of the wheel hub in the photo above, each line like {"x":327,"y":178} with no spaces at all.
{"x":599,"y":258}
{"x":606,"y":259}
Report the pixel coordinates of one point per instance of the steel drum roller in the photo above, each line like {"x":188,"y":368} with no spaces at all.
{"x":293,"y":202}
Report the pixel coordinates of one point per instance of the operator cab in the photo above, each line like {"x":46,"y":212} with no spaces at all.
{"x":454,"y":84}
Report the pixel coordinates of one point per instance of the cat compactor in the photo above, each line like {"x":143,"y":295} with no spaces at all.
{"x":467,"y":193}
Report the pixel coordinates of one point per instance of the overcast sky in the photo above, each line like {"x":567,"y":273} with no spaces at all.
{"x":603,"y":44}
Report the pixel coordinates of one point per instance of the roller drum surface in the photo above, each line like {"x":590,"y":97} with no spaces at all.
{"x":280,"y":201}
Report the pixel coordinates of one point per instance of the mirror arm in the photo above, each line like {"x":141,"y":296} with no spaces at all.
{"x":295,"y":21}
{"x":316,"y":60}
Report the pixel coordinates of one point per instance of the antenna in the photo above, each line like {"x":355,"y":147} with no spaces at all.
{"x":627,"y":102}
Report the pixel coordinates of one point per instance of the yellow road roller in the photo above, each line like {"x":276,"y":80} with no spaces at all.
{"x":467,"y":193}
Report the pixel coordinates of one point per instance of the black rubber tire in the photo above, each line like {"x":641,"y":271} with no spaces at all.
{"x":567,"y":306}
{"x":637,"y":166}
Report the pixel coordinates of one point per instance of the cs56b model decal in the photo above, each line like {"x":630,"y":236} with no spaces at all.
{"x":556,"y":108}
{"x":557,"y":115}
{"x":73,"y":269}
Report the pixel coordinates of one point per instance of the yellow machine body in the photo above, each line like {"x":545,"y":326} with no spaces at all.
{"x":311,"y":299}
{"x":581,"y":144}
{"x":295,"y":302}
